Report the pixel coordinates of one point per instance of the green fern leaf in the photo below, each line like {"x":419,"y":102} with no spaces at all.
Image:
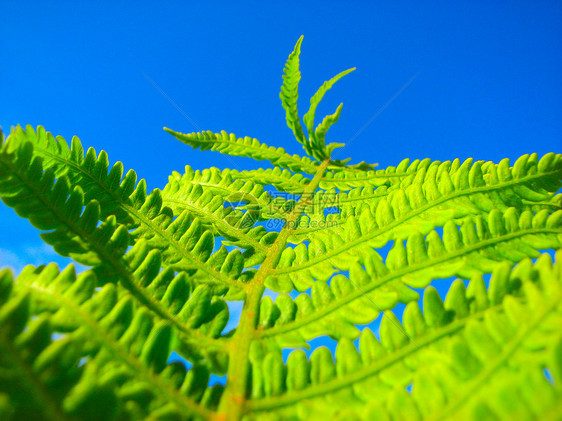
{"x":312,"y":247}
{"x":231,"y":145}
{"x":43,"y":376}
{"x":106,"y":198}
{"x":290,"y":93}
{"x":450,"y":344}
{"x":319,"y":142}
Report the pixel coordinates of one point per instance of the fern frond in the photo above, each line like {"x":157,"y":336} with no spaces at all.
{"x":98,"y":345}
{"x":204,"y":194}
{"x":527,"y":169}
{"x":117,"y":336}
{"x":450,"y":356}
{"x":431,"y":197}
{"x":191,"y":306}
{"x":283,"y":180}
{"x":290,"y":93}
{"x":128,"y":349}
{"x":22,"y":167}
{"x":74,"y":232}
{"x":317,"y":139}
{"x":323,"y":128}
{"x":220,"y":181}
{"x":301,"y":267}
{"x":372,"y":286}
{"x":111,"y":189}
{"x":345,"y":179}
{"x":231,"y":145}
{"x":42,"y":377}
{"x":452,"y":194}
{"x":186,"y":245}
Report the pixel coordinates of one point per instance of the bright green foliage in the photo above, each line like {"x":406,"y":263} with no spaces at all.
{"x":162,"y":267}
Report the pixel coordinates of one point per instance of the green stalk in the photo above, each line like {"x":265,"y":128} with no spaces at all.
{"x":233,"y":402}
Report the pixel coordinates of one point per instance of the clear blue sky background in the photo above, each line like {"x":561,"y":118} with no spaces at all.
{"x":442,"y":79}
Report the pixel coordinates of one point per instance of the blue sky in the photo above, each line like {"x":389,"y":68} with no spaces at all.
{"x":434,"y":79}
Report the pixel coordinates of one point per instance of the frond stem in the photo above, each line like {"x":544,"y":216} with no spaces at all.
{"x":234,"y":401}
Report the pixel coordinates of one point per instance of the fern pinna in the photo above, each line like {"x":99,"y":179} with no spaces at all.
{"x":164,"y":265}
